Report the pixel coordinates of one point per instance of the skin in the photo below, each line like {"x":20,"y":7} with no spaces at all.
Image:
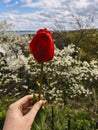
{"x":21,"y":114}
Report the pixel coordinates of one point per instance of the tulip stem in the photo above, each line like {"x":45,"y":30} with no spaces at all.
{"x":41,"y":80}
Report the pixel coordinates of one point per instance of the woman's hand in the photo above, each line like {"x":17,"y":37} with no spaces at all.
{"x":21,"y":114}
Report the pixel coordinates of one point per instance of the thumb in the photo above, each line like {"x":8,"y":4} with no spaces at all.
{"x":32,"y":113}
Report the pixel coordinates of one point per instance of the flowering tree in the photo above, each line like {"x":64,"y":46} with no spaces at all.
{"x":12,"y":48}
{"x":68,"y":75}
{"x":65,"y":77}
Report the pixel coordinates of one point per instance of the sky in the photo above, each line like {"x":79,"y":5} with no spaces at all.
{"x":51,"y":14}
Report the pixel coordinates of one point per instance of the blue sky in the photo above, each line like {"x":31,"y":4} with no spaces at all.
{"x":52,"y":14}
{"x":20,"y":6}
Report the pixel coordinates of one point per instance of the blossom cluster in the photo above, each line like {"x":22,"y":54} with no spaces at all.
{"x":65,"y":76}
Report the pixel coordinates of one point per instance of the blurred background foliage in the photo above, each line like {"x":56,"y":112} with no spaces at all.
{"x":70,"y":81}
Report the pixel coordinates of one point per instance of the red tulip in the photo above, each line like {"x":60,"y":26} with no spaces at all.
{"x":42,"y":46}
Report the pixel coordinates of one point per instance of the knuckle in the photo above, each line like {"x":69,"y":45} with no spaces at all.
{"x":39,"y":104}
{"x":11,"y":106}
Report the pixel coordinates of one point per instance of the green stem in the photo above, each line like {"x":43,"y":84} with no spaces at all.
{"x":41,"y":80}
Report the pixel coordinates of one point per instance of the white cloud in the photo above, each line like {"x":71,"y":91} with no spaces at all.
{"x":50,"y":11}
{"x":27,"y":1}
{"x":16,"y":2}
{"x":13,"y":4}
{"x":80,"y":4}
{"x":7,"y":1}
{"x":52,"y":3}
